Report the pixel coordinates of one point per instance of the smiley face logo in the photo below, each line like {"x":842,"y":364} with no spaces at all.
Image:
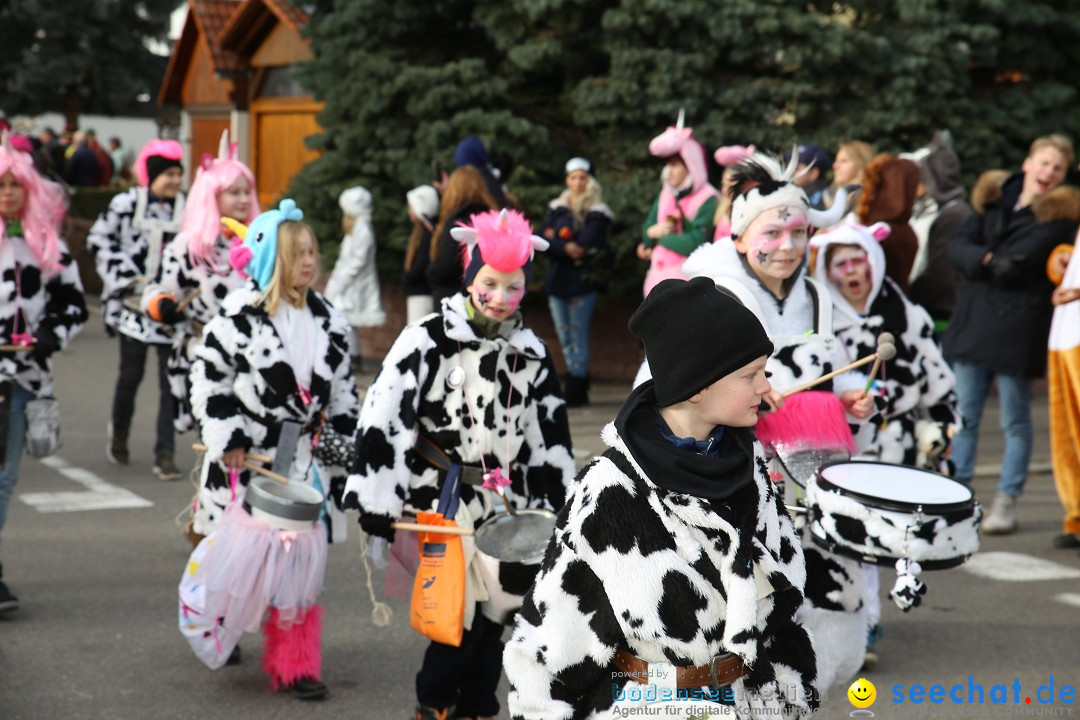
{"x":862,"y":693}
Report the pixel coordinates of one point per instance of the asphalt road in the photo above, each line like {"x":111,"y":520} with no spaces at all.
{"x":96,"y":636}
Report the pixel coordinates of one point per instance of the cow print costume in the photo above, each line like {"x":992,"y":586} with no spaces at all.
{"x":440,"y":376}
{"x":917,"y":384}
{"x":243,"y":388}
{"x":31,"y":301}
{"x":667,"y":576}
{"x":180,"y":277}
{"x":122,"y":240}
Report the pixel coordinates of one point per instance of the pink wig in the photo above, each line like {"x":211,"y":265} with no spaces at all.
{"x":201,"y":223}
{"x":46,"y":204}
{"x":503,"y":240}
{"x":169,"y":149}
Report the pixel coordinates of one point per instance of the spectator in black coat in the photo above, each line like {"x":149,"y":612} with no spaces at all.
{"x":1001,"y":321}
{"x":423,"y":205}
{"x":576,"y":226}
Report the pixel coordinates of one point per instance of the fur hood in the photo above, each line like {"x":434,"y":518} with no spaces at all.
{"x":1061,"y":203}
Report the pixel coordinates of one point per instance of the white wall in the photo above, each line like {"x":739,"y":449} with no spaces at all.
{"x":133,"y":132}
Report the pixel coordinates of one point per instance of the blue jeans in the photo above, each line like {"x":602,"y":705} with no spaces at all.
{"x":572,"y":317}
{"x":16,"y":441}
{"x":972,"y":386}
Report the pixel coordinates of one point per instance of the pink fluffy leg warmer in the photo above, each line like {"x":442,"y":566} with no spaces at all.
{"x":291,"y":654}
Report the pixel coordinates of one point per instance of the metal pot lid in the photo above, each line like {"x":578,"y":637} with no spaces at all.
{"x":519,"y":538}
{"x":294,"y":501}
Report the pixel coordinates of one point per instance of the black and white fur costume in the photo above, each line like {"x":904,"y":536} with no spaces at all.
{"x":669,"y":577}
{"x":127,"y":241}
{"x":420,"y":390}
{"x":32,"y":300}
{"x":833,"y":610}
{"x":243,"y":388}
{"x":180,"y":277}
{"x":918,"y":384}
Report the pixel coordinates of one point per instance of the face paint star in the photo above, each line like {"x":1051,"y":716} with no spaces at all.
{"x":784,"y":214}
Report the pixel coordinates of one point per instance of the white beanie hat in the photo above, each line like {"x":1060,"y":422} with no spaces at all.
{"x":424,"y":201}
{"x":356,"y":201}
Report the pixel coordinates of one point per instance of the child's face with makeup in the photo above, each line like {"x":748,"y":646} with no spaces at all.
{"x":775,"y":242}
{"x":849,"y":270}
{"x":496,"y":294}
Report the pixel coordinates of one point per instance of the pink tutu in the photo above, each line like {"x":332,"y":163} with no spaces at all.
{"x":250,"y":566}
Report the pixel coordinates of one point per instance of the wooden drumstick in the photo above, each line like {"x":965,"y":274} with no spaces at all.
{"x":248,"y":457}
{"x":885,"y":338}
{"x":199,"y":447}
{"x":829,"y":376}
{"x":187,"y":300}
{"x":438,"y":529}
{"x":16,"y":348}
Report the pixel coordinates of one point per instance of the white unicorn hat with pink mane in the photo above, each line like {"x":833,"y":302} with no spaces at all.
{"x":679,"y":140}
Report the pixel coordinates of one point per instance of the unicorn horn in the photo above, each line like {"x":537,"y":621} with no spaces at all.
{"x":223,"y":146}
{"x":680,"y":121}
{"x":504,"y":221}
{"x":825,"y":218}
{"x":236,"y":226}
{"x":5,"y":141}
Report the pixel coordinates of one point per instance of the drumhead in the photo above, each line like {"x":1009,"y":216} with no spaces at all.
{"x":519,"y":538}
{"x":896,"y":487}
{"x":294,"y":501}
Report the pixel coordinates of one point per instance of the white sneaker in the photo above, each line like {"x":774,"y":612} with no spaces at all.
{"x":1001,"y":519}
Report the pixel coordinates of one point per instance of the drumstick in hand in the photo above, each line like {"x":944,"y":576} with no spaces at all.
{"x":443,"y":529}
{"x":16,"y":348}
{"x":885,"y":338}
{"x":187,"y":300}
{"x":885,"y":352}
{"x":199,"y":447}
{"x":248,"y":457}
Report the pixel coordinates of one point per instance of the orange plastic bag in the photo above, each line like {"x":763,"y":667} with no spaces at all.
{"x":438,"y":599}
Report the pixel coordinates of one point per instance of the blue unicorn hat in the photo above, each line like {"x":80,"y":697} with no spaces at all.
{"x":255,"y":256}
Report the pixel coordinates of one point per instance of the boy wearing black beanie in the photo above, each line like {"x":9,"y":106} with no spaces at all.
{"x":674,"y":557}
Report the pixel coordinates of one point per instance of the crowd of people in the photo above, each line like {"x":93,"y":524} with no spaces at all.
{"x":76,"y":157}
{"x":677,"y":546}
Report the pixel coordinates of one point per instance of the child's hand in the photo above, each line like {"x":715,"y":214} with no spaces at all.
{"x":858,"y":404}
{"x":660,"y":229}
{"x":774,"y":399}
{"x":1064,"y":295}
{"x":644,"y":252}
{"x":574,"y":251}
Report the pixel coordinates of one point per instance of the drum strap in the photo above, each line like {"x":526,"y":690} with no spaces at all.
{"x":435,"y":456}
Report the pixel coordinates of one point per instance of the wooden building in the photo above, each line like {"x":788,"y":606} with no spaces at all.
{"x":232,"y":69}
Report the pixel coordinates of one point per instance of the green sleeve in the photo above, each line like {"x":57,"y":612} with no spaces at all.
{"x":650,"y":220}
{"x":699,"y":232}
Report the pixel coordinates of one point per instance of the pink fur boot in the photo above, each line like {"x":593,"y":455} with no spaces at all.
{"x":293,"y":653}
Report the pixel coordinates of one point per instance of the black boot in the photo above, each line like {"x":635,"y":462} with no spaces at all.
{"x":576,"y":393}
{"x":8,"y":602}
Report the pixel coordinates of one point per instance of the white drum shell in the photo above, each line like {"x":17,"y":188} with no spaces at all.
{"x":508,"y":581}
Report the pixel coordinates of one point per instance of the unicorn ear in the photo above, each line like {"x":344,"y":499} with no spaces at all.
{"x":464,"y":235}
{"x":880,"y":231}
{"x":206,"y":161}
{"x":223,"y":146}
{"x":539,"y":244}
{"x":236,"y":226}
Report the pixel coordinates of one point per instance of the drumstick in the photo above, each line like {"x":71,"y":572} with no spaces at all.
{"x":885,"y":338}
{"x":187,"y":300}
{"x":16,"y":348}
{"x":199,"y":447}
{"x":268,"y":473}
{"x":834,"y":373}
{"x":437,"y":529}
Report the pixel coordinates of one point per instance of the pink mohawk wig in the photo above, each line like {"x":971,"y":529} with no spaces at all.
{"x":201,"y":223}
{"x":169,"y":149}
{"x":505,"y":240}
{"x":46,"y":205}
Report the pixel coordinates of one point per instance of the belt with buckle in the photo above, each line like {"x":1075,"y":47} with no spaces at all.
{"x":722,"y":670}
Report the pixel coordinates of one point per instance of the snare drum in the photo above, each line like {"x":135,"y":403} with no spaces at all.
{"x":878,"y":513}
{"x":294,"y":506}
{"x":509,"y":550}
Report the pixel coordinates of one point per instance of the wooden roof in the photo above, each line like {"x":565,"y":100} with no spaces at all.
{"x":251,"y":23}
{"x":209,"y":19}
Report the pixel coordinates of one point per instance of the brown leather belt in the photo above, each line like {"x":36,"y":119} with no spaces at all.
{"x":435,"y":456}
{"x":723,"y":670}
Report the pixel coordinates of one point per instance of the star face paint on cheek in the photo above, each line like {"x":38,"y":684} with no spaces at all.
{"x":483,"y":298}
{"x":762,"y":257}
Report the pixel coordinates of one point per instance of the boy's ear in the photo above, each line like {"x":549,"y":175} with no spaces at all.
{"x":696,"y":397}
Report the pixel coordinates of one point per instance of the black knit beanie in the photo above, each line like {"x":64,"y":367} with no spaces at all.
{"x":156,"y":164}
{"x":695,"y":334}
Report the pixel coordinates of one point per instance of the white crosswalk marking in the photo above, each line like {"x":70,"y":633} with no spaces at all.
{"x":1017,"y":567}
{"x":98,"y":495}
{"x":1068,"y":599}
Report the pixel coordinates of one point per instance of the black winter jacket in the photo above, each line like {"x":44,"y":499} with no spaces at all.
{"x":567,"y":278}
{"x":1001,"y":323}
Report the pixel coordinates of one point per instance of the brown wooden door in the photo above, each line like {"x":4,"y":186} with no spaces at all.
{"x":205,"y":138}
{"x":278,"y":153}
